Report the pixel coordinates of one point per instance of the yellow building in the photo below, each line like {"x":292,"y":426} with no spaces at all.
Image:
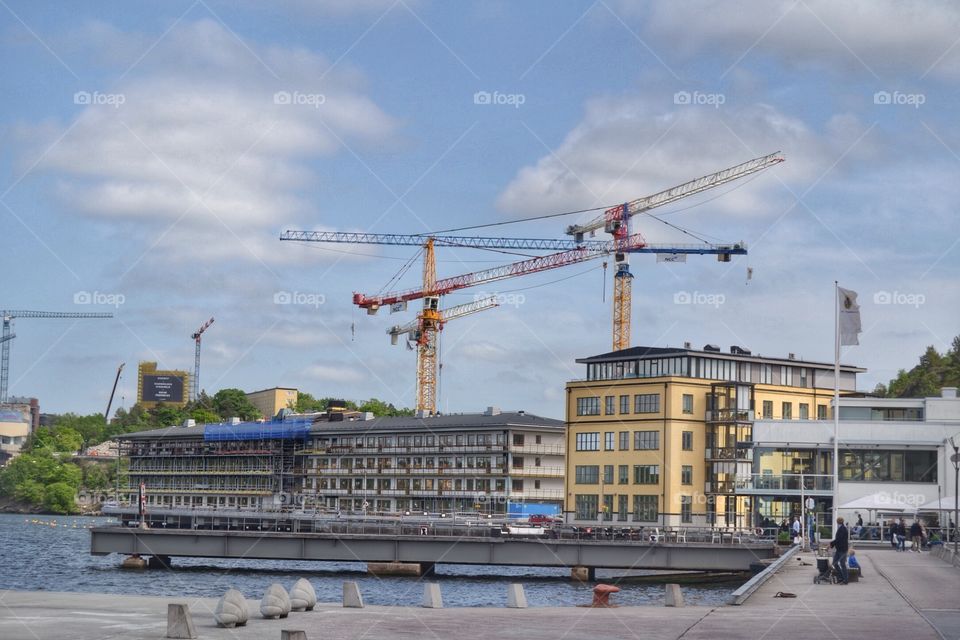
{"x":156,"y":387}
{"x":271,"y":401}
{"x":662,"y":435}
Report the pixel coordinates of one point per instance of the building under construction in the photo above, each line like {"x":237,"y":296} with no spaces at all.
{"x":490,"y":462}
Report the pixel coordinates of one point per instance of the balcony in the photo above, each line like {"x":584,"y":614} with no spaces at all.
{"x":729,"y":415}
{"x":786,"y":484}
{"x":537,"y":472}
{"x":740,"y":454}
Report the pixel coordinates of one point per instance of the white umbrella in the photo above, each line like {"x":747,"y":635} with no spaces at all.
{"x":880,"y":501}
{"x":946,"y":503}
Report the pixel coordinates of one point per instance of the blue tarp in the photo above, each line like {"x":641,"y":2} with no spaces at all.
{"x":257,"y":431}
{"x":526,"y":509}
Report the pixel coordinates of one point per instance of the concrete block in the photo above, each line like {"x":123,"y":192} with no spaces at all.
{"x":179,"y":622}
{"x":351,"y":596}
{"x":231,"y":611}
{"x":133,"y":562}
{"x":431,"y":596}
{"x":583,"y":574}
{"x":302,"y":596}
{"x":674,"y":596}
{"x":275,"y":603}
{"x":287,"y":634}
{"x":395,"y":569}
{"x":516,"y":598}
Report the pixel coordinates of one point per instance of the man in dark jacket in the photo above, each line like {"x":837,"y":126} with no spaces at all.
{"x":841,"y":544}
{"x":916,"y":536}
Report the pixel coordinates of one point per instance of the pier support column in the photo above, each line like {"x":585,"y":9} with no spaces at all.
{"x":427,"y":569}
{"x":414,"y":569}
{"x":159,"y":562}
{"x":583,"y":574}
{"x":133,"y":562}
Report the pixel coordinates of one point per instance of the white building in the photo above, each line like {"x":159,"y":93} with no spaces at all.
{"x":895,"y":448}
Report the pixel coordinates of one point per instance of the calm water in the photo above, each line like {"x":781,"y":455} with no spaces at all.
{"x":52,"y":553}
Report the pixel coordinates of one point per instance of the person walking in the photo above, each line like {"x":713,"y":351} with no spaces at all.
{"x":841,"y":544}
{"x":796,"y":528}
{"x":901,"y":535}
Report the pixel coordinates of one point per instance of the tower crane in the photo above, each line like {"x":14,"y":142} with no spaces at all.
{"x":196,"y":359}
{"x":8,"y":317}
{"x":616,"y":221}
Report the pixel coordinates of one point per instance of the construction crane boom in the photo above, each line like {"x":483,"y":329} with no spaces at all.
{"x":196,"y":360}
{"x":9,"y":316}
{"x":446,"y":315}
{"x":679,"y":192}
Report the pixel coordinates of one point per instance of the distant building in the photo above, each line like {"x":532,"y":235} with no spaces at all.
{"x":18,"y":419}
{"x":489,"y":462}
{"x":271,"y":401}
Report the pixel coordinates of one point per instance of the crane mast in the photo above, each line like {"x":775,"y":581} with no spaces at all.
{"x":8,"y":317}
{"x":196,"y":359}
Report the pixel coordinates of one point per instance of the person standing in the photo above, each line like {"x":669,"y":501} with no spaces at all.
{"x":841,"y":544}
{"x":796,"y":528}
{"x":901,"y":535}
{"x":916,"y":536}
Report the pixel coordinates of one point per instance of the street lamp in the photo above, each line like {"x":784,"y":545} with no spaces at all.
{"x":955,"y":459}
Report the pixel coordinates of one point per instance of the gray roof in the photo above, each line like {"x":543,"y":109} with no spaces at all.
{"x":512,"y":419}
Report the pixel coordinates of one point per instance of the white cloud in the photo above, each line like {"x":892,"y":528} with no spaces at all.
{"x":205,"y":123}
{"x":863,"y":36}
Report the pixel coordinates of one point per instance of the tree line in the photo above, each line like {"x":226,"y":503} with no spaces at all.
{"x":933,"y":371}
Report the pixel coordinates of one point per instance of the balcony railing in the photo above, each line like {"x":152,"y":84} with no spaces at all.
{"x":788,"y":482}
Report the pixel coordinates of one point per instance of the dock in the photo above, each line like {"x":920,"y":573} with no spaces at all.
{"x":901,"y":595}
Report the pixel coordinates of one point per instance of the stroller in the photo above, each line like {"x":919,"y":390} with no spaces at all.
{"x":827,"y":574}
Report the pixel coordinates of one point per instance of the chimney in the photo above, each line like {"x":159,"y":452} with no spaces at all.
{"x":948,"y":392}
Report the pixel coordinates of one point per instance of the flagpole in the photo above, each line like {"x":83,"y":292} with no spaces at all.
{"x":836,"y":402}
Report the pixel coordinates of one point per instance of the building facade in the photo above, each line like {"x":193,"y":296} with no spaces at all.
{"x":18,"y":419}
{"x":493,"y":463}
{"x":894,"y":448}
{"x":661,"y":435}
{"x":270,"y":401}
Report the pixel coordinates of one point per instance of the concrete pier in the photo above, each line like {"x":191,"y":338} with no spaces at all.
{"x":902,"y":595}
{"x":415,"y":569}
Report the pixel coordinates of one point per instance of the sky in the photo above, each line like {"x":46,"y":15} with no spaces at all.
{"x":153,"y":153}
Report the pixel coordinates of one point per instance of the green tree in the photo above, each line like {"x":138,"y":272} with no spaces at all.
{"x":29,"y":491}
{"x":380,"y":408}
{"x":306,"y":403}
{"x":931,"y":373}
{"x":91,"y":427}
{"x":59,"y":497}
{"x":95,"y":477}
{"x":230,"y":403}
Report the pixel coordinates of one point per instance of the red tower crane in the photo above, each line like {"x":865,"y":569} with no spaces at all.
{"x":196,"y":360}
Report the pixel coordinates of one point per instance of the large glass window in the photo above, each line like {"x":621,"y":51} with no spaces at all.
{"x":587,"y":474}
{"x":804,"y":411}
{"x":625,"y":405}
{"x":624,"y":441}
{"x":608,"y":441}
{"x":586,"y":506}
{"x":686,"y":508}
{"x":687,"y":440}
{"x":646,"y":508}
{"x":609,"y":405}
{"x":768,"y":409}
{"x":646,"y":403}
{"x":623,"y":474}
{"x":688,"y":403}
{"x":686,"y":474}
{"x":889,"y":466}
{"x":821,"y":412}
{"x":608,"y":474}
{"x":786,"y":410}
{"x":645,"y":440}
{"x":588,"y":406}
{"x":646,"y":474}
{"x":589,"y":441}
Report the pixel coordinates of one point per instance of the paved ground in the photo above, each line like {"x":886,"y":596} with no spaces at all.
{"x":901,"y":595}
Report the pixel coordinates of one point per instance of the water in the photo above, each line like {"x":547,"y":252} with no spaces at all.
{"x":52,"y":553}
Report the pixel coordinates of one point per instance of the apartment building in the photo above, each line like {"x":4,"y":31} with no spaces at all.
{"x":661,"y":435}
{"x":492,"y":462}
{"x":271,"y":401}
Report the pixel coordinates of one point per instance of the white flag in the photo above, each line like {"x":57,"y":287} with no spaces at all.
{"x":849,"y":316}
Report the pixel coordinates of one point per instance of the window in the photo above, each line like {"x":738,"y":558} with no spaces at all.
{"x":686,"y":508}
{"x":804,"y":411}
{"x":787,"y":410}
{"x":608,"y":441}
{"x":768,"y":409}
{"x":731,"y":511}
{"x":588,"y":406}
{"x":686,"y":475}
{"x":622,"y":508}
{"x":518,"y":439}
{"x":623,"y":474}
{"x":536,"y":484}
{"x":688,"y":403}
{"x":516,"y":485}
{"x":646,"y":440}
{"x":786,"y":376}
{"x":803,"y":377}
{"x":646,"y":508}
{"x":587,"y":474}
{"x":646,"y":474}
{"x":586,"y":506}
{"x":608,"y":474}
{"x":646,"y":403}
{"x":624,"y":404}
{"x":624,"y":441}
{"x":687,"y":440}
{"x":766,"y":374}
{"x":821,"y":412}
{"x":517,"y":462}
{"x":539,"y":439}
{"x":609,"y":405}
{"x":589,"y":441}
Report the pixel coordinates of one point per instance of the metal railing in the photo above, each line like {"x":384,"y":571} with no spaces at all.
{"x":785,"y":482}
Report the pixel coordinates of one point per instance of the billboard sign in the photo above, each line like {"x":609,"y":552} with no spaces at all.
{"x":163,"y":388}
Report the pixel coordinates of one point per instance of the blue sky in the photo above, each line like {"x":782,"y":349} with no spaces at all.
{"x":165,"y":192}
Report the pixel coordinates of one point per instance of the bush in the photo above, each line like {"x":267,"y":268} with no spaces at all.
{"x":59,"y":498}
